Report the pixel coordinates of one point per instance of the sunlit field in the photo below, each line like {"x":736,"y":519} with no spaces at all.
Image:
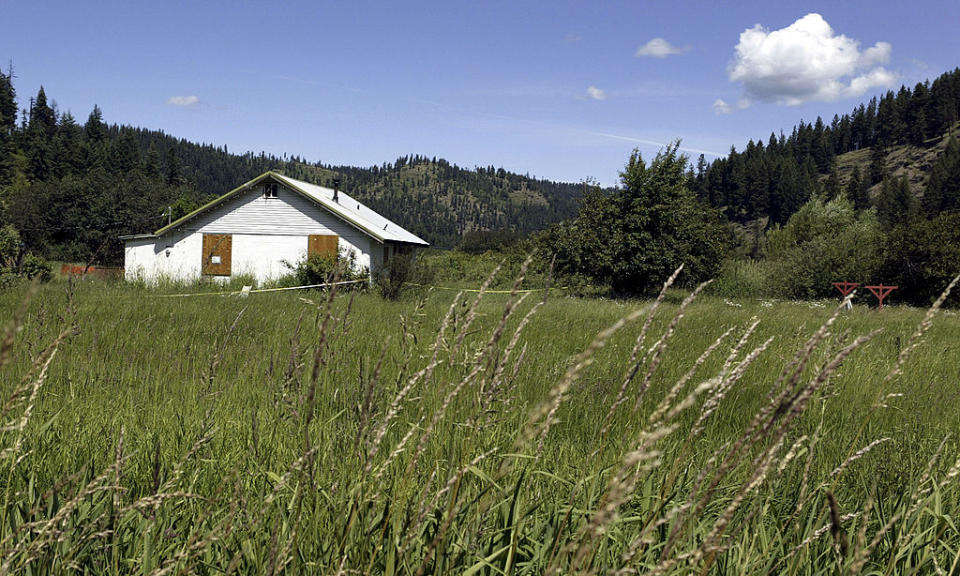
{"x":309,"y":432}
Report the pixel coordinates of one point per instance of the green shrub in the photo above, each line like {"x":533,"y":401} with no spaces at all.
{"x":36,"y":267}
{"x":325,"y":268}
{"x":822,"y":243}
{"x":9,"y":246}
{"x":392,"y":277}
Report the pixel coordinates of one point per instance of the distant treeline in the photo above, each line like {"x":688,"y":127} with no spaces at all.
{"x":71,"y":189}
{"x":774,"y":179}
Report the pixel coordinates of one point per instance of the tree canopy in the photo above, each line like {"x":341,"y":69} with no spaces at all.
{"x":633,"y":237}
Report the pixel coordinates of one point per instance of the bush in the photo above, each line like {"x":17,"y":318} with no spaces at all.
{"x":36,"y":267}
{"x":392,"y":277}
{"x":822,"y":243}
{"x":325,"y":268}
{"x":9,"y":246}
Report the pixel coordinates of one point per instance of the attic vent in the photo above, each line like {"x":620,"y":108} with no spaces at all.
{"x":270,"y":190}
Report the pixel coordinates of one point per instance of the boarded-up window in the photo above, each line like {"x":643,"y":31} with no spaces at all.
{"x":323,"y":245}
{"x":217,"y":254}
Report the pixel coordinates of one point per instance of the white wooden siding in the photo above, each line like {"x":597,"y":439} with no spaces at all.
{"x":267,"y":232}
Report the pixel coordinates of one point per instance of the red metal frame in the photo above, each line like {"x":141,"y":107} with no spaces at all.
{"x":881,"y":292}
{"x":845,"y":288}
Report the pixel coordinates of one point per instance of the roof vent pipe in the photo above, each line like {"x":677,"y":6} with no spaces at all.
{"x":336,"y":190}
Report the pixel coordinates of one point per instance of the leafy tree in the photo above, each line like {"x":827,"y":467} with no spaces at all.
{"x":824,"y":242}
{"x":922,"y":257}
{"x":633,"y":238}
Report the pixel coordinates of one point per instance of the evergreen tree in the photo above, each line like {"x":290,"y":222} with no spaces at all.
{"x":942,"y":193}
{"x":857,"y":191}
{"x":8,"y":125}
{"x":95,"y":130}
{"x":896,"y":203}
{"x":43,"y":119}
{"x":831,"y":187}
{"x":878,"y":164}
{"x":174,"y":172}
{"x":151,"y":162}
{"x":8,"y":106}
{"x":917,"y":115}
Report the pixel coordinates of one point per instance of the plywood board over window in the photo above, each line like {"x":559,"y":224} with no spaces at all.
{"x":323,"y":245}
{"x":217,"y":254}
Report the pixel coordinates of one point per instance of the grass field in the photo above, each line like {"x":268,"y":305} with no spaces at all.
{"x":289,"y":432}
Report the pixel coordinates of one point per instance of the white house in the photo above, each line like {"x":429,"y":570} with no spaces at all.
{"x":257,"y":228}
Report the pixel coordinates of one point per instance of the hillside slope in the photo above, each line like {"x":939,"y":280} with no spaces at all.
{"x":905,"y":160}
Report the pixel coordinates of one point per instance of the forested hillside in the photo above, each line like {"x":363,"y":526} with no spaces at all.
{"x":72,"y":188}
{"x":773,"y":179}
{"x":873,"y":197}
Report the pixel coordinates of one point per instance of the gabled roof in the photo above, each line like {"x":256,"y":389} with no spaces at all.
{"x":347,"y":209}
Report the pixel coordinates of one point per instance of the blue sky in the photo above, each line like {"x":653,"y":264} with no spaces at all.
{"x":561,"y":90}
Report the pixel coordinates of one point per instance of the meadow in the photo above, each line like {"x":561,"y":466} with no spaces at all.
{"x":467,"y":433}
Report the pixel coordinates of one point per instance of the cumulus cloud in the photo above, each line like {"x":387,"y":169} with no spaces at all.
{"x":660,"y":48}
{"x":183,"y":101}
{"x":806,"y":61}
{"x":594,"y":93}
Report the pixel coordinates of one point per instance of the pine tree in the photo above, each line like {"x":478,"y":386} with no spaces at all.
{"x":43,"y":119}
{"x":95,"y":130}
{"x":8,"y":125}
{"x":857,"y":192}
{"x":8,"y":106}
{"x":878,"y":164}
{"x":174,"y":171}
{"x":942,"y":193}
{"x":151,"y":162}
{"x":831,"y":187}
{"x":896,"y":203}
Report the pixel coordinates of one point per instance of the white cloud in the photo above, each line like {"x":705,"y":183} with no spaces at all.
{"x":806,"y":61}
{"x":594,"y":93}
{"x":660,"y":48}
{"x":183,"y":101}
{"x":720,"y":107}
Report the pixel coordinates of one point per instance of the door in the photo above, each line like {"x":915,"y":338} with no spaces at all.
{"x":323,"y":245}
{"x":217,"y":254}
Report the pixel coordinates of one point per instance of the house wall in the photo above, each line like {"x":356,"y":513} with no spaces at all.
{"x":266,"y":232}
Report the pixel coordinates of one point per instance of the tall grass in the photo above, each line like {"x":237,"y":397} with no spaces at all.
{"x":470,"y":433}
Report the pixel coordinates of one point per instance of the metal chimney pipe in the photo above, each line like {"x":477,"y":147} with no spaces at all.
{"x":336,"y":190}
